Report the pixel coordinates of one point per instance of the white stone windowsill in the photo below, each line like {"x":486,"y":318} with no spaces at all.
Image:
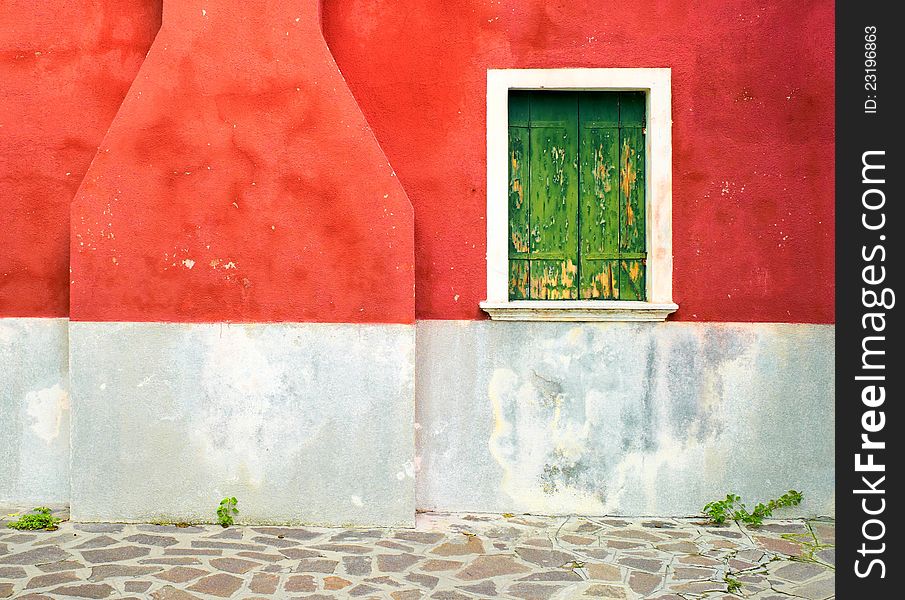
{"x":578,"y":310}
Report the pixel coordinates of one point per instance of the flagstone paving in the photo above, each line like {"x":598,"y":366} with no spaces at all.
{"x":447,"y":557}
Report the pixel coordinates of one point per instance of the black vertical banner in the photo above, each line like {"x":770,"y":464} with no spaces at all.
{"x":869,"y":331}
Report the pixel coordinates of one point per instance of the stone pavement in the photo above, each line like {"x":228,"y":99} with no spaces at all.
{"x":448,"y":557}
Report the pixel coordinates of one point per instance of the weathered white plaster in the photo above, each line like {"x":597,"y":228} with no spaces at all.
{"x":303,"y":423}
{"x":622,"y":418}
{"x":34,"y":404}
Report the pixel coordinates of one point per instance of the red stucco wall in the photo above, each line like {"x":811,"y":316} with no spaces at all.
{"x":64,"y":69}
{"x":240,"y":181}
{"x":314,"y":238}
{"x":752,"y":134}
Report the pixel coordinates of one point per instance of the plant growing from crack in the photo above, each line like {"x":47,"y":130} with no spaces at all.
{"x":226,"y":511}
{"x":733,"y":585}
{"x":732,"y":508}
{"x":40,"y":517}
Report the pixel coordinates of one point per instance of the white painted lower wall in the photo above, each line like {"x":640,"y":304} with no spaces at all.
{"x":316,"y":423}
{"x":623,"y":418}
{"x":34,"y":405}
{"x":303,"y":423}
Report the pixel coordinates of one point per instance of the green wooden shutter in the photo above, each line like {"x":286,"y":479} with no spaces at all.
{"x":576,"y":195}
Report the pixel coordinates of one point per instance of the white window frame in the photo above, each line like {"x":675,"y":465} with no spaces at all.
{"x":656,"y":83}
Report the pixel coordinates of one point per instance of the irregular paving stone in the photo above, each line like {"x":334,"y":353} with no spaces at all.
{"x":335,"y":583}
{"x":820,"y":589}
{"x":428,"y":581}
{"x":798,"y":571}
{"x":483,"y":589}
{"x":264,"y":583}
{"x":275,"y":542}
{"x":36,"y":556}
{"x":644,"y":564}
{"x":635,"y":534}
{"x":544,"y":558}
{"x":192,"y":552}
{"x":118,"y":554}
{"x":449,"y":595}
{"x":394,"y":563}
{"x":699,"y":587}
{"x":226,"y":545}
{"x":692,"y":573}
{"x":219,"y":584}
{"x":357,"y":565}
{"x":85,"y":590}
{"x":262,"y":556}
{"x":471,"y":545}
{"x":419,"y":537}
{"x":152,"y":540}
{"x":300,"y":583}
{"x":101,"y":541}
{"x":784,"y":528}
{"x":170,"y":593}
{"x":559,"y":575}
{"x":678,"y":547}
{"x":532,"y":591}
{"x":137,"y":586}
{"x":384,"y":580}
{"x":828,"y":556}
{"x":362,"y":589}
{"x":12,"y":572}
{"x":316,"y":565}
{"x":824,"y":532}
{"x":181,"y":574}
{"x":41,"y":581}
{"x":436,"y":564}
{"x":344,"y":548}
{"x":102,"y":572}
{"x":699,"y":560}
{"x":299,"y":553}
{"x":170,"y":560}
{"x":62,"y":565}
{"x":484,"y":567}
{"x":603,"y":572}
{"x":394,"y":545}
{"x":406,"y":595}
{"x":233,"y":565}
{"x":578,"y":540}
{"x":644,"y":583}
{"x":778,"y":545}
{"x":600,"y":590}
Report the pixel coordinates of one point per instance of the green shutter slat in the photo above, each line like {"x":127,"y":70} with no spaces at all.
{"x":599,"y":200}
{"x":518,"y":192}
{"x":518,"y":195}
{"x":632,"y":218}
{"x":553,"y":196}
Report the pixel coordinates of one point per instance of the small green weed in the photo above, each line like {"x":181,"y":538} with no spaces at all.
{"x":39,"y":518}
{"x":733,"y":585}
{"x":226,"y":511}
{"x":732,"y":508}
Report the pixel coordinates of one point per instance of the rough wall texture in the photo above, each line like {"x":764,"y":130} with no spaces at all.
{"x":752,"y":133}
{"x":306,"y":423}
{"x":632,"y":419}
{"x":240,"y":181}
{"x":34,"y":404}
{"x":64,"y":70}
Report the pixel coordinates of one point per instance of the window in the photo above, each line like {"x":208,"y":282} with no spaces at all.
{"x":579,"y":194}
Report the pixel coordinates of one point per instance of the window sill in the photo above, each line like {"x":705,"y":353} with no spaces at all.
{"x":578,"y":310}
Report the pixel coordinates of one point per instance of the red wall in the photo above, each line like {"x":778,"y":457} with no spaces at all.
{"x":64,"y":69}
{"x":325,"y":232}
{"x":752,"y":133}
{"x":240,"y":181}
